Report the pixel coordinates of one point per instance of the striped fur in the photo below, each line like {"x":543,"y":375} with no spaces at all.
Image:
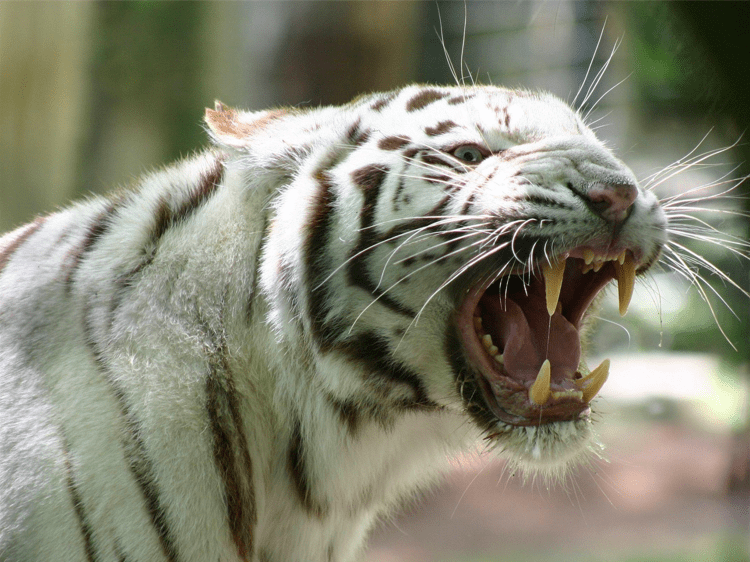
{"x":259,"y":351}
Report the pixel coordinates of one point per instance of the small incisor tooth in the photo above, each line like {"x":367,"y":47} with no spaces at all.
{"x":553,"y":278}
{"x":540,"y":390}
{"x":588,"y":256}
{"x":592,"y":383}
{"x":625,"y":282}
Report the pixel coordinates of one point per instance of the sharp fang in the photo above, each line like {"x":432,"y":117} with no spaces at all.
{"x":592,"y":383}
{"x":553,"y":278}
{"x":540,"y":390}
{"x":625,"y":282}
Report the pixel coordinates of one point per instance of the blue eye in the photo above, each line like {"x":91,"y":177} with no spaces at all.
{"x":469,"y":154}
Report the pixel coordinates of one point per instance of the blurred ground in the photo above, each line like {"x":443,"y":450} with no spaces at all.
{"x":662,"y":495}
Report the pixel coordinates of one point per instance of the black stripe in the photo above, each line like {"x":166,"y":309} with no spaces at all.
{"x":231,"y":454}
{"x":459,"y":99}
{"x":142,"y":470}
{"x":383,"y":101}
{"x":437,"y":179}
{"x":134,"y":451}
{"x":167,"y":216}
{"x":7,"y":252}
{"x":317,"y":266}
{"x":393,"y":143}
{"x":423,"y":99}
{"x":373,"y":352}
{"x":75,"y":497}
{"x":97,"y":228}
{"x":440,"y":128}
{"x":439,"y":160}
{"x":347,"y":412}
{"x":355,"y":135}
{"x":435,"y":215}
{"x":369,"y":179}
{"x":121,"y":556}
{"x":298,"y":472}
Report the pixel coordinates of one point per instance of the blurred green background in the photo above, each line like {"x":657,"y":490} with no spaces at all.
{"x":92,"y":94}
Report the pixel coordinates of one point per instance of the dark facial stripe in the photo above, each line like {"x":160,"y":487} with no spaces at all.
{"x":393,"y":143}
{"x":373,"y":352}
{"x":317,"y":267}
{"x":7,"y":252}
{"x":435,"y":215}
{"x":369,"y":179}
{"x":80,"y":511}
{"x":423,"y":99}
{"x":439,"y":160}
{"x":231,"y":455}
{"x":440,"y":128}
{"x":298,"y":472}
{"x":136,"y":459}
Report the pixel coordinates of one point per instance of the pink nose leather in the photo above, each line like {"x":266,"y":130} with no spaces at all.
{"x":611,"y":202}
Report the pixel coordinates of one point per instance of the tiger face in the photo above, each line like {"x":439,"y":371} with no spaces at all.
{"x":454,"y":242}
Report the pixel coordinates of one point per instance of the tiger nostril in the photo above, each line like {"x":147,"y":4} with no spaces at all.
{"x":612,"y":202}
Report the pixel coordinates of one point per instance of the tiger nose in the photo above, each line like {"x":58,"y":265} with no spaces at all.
{"x":612,"y":202}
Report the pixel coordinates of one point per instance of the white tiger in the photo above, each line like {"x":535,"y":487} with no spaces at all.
{"x":259,"y":351}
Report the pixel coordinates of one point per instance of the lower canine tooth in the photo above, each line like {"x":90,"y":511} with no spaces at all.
{"x":592,"y":383}
{"x":540,"y":390}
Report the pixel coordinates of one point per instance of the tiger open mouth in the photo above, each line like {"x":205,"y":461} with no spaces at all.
{"x":522,"y":334}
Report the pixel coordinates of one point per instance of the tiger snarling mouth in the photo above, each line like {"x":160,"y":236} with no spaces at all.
{"x":521,"y":332}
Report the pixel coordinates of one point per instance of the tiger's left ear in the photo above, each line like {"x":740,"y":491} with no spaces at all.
{"x":233,"y":128}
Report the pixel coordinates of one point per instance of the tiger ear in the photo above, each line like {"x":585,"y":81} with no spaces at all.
{"x":234,"y":128}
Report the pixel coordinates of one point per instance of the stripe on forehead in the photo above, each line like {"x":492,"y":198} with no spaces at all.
{"x":423,"y":99}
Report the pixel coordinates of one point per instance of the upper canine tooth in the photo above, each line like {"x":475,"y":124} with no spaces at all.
{"x":540,"y":390}
{"x":553,"y":278}
{"x":592,"y":383}
{"x":625,"y":282}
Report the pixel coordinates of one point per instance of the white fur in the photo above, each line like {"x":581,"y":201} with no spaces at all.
{"x":226,"y":291}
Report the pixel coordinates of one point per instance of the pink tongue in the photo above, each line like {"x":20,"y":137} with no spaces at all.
{"x":523,"y":328}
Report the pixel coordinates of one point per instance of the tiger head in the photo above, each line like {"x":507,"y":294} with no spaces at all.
{"x":439,"y":249}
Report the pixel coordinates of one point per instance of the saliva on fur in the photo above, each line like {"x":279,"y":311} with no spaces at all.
{"x":263,"y":349}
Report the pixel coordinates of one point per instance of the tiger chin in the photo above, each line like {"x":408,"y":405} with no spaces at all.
{"x":258,"y":352}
